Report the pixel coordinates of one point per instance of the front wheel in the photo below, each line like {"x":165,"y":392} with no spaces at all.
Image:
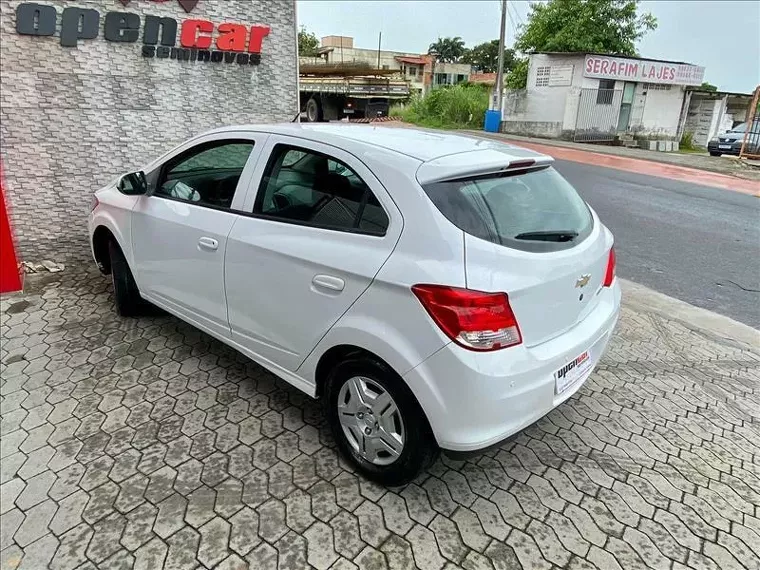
{"x":126,"y":294}
{"x":377,"y":422}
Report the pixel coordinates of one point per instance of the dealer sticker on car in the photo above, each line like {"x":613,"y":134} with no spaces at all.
{"x":571,"y":372}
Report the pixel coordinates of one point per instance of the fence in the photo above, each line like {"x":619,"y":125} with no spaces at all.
{"x":751,"y":142}
{"x":598,"y":115}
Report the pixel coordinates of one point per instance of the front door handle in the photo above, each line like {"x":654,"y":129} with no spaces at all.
{"x":208,"y":243}
{"x":329,"y":282}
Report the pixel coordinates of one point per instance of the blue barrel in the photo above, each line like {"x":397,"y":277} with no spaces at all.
{"x":493,"y":121}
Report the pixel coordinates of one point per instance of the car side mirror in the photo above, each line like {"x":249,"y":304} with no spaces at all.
{"x":133,"y":184}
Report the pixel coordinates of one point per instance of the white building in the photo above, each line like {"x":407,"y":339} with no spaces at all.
{"x":712,"y":113}
{"x":592,"y":97}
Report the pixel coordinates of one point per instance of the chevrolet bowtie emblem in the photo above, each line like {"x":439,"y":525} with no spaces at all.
{"x":583,"y":280}
{"x":188,"y":5}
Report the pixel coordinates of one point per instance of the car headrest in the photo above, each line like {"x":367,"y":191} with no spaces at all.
{"x":337,"y":185}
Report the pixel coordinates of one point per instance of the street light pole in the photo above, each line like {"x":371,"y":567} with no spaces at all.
{"x":499,"y":86}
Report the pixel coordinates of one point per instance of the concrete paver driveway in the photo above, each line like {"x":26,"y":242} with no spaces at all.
{"x":146,"y":444}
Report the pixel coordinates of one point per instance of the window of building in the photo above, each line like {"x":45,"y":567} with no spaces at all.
{"x":461,"y":77}
{"x":656,"y":87}
{"x":542,"y":76}
{"x":310,"y":188}
{"x":206,"y":175}
{"x":606,"y":92}
{"x":386,"y":66}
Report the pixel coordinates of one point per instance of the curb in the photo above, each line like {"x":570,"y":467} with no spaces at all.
{"x":700,"y":320}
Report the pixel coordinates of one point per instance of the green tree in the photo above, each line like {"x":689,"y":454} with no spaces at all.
{"x":517,"y":78}
{"x":448,"y":50}
{"x":599,"y":26}
{"x":485,"y":57}
{"x":308,"y":43}
{"x":708,"y":86}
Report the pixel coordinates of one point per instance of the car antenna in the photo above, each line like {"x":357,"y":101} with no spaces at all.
{"x":295,"y":119}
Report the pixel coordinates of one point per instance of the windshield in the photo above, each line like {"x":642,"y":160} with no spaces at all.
{"x":534,"y":211}
{"x":739,"y":128}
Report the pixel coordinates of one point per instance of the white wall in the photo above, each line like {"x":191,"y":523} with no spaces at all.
{"x":547,"y":103}
{"x":702,"y":119}
{"x":662,"y":111}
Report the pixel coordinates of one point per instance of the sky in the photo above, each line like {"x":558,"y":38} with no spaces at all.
{"x":720,"y":35}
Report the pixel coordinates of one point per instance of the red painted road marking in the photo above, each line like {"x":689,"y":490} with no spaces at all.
{"x":671,"y":171}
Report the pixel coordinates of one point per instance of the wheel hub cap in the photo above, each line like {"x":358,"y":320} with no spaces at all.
{"x":371,"y":421}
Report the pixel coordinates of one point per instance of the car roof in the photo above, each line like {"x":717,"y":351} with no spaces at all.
{"x":422,"y":145}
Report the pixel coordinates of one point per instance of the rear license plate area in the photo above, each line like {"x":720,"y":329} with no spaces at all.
{"x":572,"y":372}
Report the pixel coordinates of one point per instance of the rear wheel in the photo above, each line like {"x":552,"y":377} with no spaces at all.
{"x":126,"y":294}
{"x":377,"y":422}
{"x":313,"y":111}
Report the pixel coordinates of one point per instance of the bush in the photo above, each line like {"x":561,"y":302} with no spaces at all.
{"x":459,"y":106}
{"x":687,"y":141}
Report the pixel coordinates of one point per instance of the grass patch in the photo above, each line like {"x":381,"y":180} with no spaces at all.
{"x":460,"y":106}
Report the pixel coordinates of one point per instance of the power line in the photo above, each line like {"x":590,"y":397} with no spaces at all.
{"x":516,"y":14}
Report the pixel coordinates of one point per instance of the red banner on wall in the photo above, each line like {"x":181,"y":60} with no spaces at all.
{"x":11,"y":272}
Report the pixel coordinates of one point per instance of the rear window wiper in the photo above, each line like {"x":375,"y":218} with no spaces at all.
{"x":549,"y":235}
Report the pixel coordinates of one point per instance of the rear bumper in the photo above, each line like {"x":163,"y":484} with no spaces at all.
{"x":476,"y":400}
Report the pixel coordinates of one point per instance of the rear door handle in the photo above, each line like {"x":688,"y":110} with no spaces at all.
{"x":208,"y":243}
{"x":328,"y":282}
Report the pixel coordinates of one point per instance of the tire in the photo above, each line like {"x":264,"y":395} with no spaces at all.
{"x":418,"y":448}
{"x":313,"y":111}
{"x":126,"y":294}
{"x":712,"y":153}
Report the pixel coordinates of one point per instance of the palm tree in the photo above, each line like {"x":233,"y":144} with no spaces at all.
{"x":448,"y":50}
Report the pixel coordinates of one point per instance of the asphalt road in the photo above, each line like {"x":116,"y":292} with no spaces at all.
{"x":695,"y":243}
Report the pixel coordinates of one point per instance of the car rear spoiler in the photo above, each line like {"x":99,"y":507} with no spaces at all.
{"x":480,"y":163}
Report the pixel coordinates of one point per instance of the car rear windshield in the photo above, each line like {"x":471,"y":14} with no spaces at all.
{"x":533,"y":210}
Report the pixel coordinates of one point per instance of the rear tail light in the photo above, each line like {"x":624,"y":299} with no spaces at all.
{"x":94,"y":203}
{"x":609,"y":276}
{"x":472,"y":319}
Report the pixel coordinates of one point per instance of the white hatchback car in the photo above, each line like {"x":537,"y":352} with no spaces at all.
{"x":437,"y":291}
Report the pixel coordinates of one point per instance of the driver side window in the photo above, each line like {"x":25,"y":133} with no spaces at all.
{"x":311,"y":188}
{"x":206,"y":175}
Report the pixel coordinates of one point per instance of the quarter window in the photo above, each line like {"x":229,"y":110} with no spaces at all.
{"x":311,"y":188}
{"x":206,"y":175}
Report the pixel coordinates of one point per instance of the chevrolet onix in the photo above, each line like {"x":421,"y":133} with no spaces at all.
{"x":437,"y":292}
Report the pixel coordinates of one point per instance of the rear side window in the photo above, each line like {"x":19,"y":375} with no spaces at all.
{"x":536,"y":210}
{"x":310,"y":188}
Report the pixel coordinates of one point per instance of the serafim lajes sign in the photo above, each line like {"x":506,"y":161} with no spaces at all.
{"x":607,"y":67}
{"x":200,"y":40}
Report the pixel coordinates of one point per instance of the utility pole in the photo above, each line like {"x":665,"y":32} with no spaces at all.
{"x":379,"y":42}
{"x":499,"y":85}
